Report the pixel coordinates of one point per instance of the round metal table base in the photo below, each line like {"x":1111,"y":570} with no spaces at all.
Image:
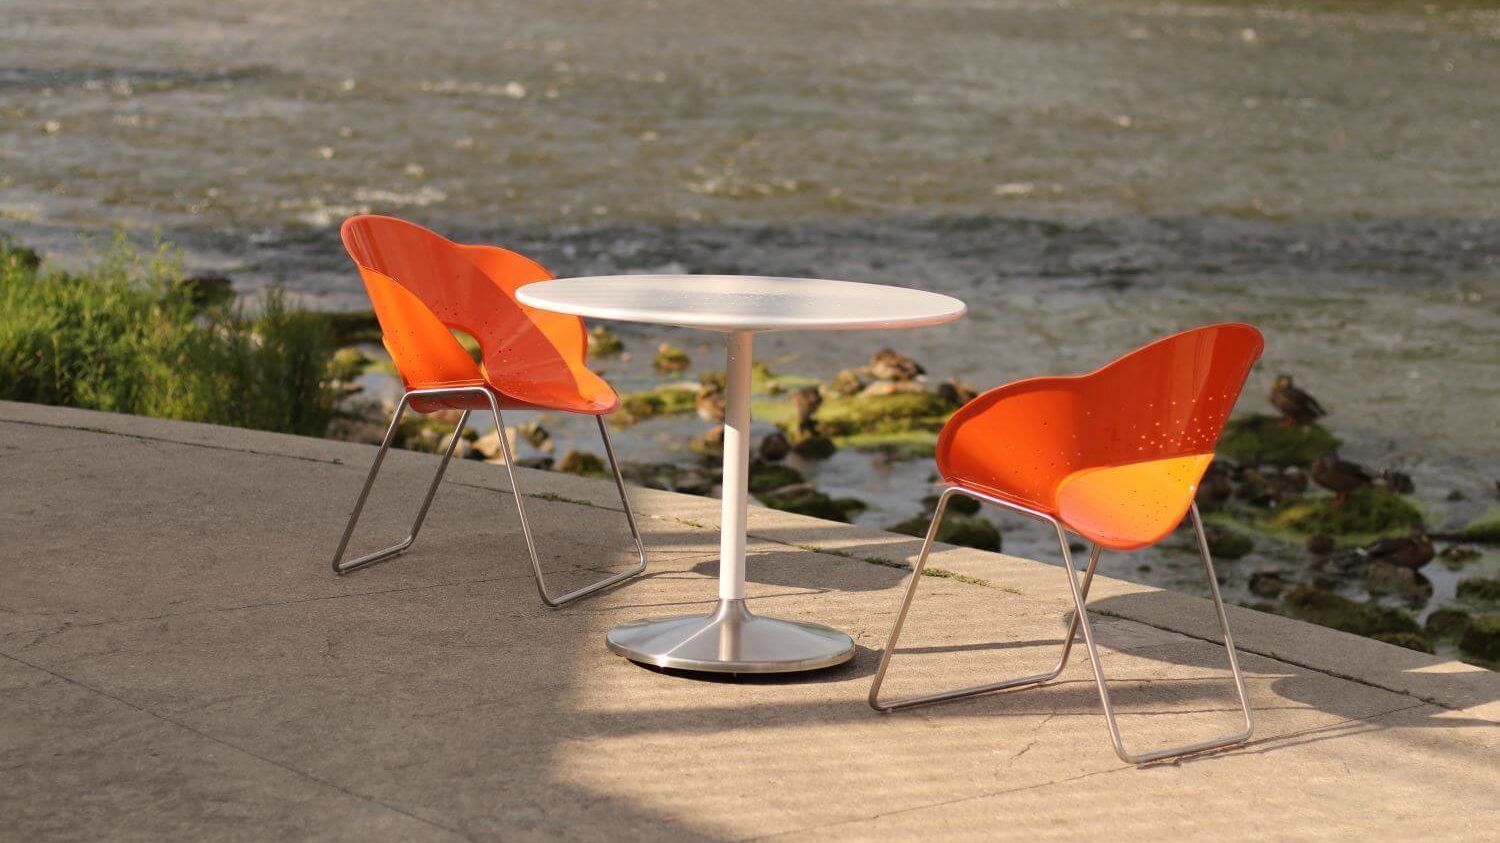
{"x":731,"y":640}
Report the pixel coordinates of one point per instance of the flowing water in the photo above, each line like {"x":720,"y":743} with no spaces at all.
{"x":1086,"y":175}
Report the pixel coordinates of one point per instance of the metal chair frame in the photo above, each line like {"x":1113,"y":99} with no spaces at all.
{"x":1080,"y":618}
{"x":344,"y":567}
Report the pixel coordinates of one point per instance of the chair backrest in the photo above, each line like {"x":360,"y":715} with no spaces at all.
{"x":421,"y":285}
{"x":1163,"y":400}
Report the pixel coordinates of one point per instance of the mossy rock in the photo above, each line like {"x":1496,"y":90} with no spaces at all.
{"x":671,"y":359}
{"x":1410,"y":640}
{"x":815,"y":447}
{"x":905,"y":445}
{"x":1456,"y":556}
{"x":1259,"y":439}
{"x":768,"y":476}
{"x":897,"y":412}
{"x":636,"y":407}
{"x":1481,"y":590}
{"x":1448,"y":622}
{"x":604,"y":343}
{"x":1482,"y":638}
{"x":957,"y":504}
{"x":1325,"y":608}
{"x":1485,"y":529}
{"x":581,"y":463}
{"x":1367,"y":511}
{"x":962,"y":530}
{"x":808,"y":501}
{"x":1228,"y":544}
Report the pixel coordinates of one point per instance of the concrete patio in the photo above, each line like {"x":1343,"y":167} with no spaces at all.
{"x":178,"y":662}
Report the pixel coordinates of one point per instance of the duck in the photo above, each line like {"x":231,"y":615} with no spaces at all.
{"x":806,"y":401}
{"x":1339,"y":476}
{"x":1294,"y":404}
{"x":888,"y":364}
{"x":1411,"y":552}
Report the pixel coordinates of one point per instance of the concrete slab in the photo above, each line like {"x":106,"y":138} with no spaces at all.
{"x":177,"y":661}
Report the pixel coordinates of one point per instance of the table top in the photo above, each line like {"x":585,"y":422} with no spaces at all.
{"x":742,"y":302}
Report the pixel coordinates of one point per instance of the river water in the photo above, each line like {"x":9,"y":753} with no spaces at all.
{"x":1086,"y":175}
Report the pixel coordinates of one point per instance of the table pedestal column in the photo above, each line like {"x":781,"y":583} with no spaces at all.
{"x":730,"y":639}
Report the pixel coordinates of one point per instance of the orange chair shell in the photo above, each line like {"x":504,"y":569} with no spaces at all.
{"x":422,"y":286}
{"x":1115,"y":455}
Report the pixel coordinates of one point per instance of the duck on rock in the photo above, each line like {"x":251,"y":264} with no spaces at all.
{"x":1339,"y":476}
{"x":1295,"y":405}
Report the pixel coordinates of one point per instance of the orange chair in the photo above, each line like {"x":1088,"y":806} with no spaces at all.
{"x":423,"y":286}
{"x":1114,"y":456}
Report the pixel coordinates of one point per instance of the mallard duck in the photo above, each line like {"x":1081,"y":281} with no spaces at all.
{"x":1295,"y":405}
{"x":888,"y":364}
{"x":1339,"y":476}
{"x":806,"y":401}
{"x":1411,"y":551}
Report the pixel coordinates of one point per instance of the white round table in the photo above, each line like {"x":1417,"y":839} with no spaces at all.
{"x":730,"y":639}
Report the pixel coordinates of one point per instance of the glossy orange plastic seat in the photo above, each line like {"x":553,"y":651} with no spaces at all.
{"x":1114,"y":456}
{"x":423,"y":287}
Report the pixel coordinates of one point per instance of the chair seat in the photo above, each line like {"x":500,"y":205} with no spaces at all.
{"x":1127,"y":507}
{"x":595,"y":398}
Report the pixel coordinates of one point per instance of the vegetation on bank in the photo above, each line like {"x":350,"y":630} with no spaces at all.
{"x":128,"y":335}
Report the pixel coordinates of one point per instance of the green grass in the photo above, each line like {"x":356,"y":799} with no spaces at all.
{"x":124,"y":336}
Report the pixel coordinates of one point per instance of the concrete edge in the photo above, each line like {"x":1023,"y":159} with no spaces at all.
{"x":1439,"y":681}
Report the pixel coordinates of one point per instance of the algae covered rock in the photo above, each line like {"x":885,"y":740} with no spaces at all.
{"x":604,"y":343}
{"x":581,"y":463}
{"x":963,"y":530}
{"x":670,"y":359}
{"x":805,"y":500}
{"x":1410,"y":640}
{"x":895,"y":412}
{"x":1325,"y":608}
{"x":767,"y":476}
{"x":957,"y":504}
{"x":670,"y":400}
{"x":774,"y":447}
{"x":1448,"y":622}
{"x":1457,"y":556}
{"x":1370,"y":510}
{"x":1483,"y":590}
{"x":1485,"y":529}
{"x":814,"y":446}
{"x":1257,"y":439}
{"x":1482,"y":638}
{"x":1228,"y":544}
